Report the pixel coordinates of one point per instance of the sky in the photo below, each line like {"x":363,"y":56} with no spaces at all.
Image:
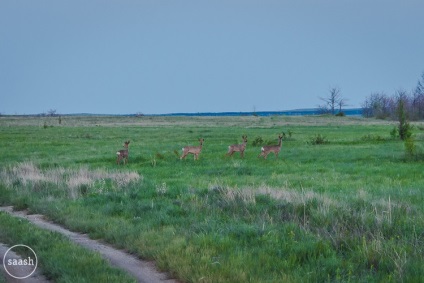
{"x":169,"y":56}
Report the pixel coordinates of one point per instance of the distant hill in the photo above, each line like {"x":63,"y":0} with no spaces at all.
{"x":295,"y":112}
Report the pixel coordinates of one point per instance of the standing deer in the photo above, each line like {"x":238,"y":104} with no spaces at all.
{"x":123,"y":154}
{"x":238,"y":147}
{"x":195,"y":150}
{"x":267,"y":149}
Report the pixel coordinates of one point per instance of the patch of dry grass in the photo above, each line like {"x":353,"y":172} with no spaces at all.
{"x":182,"y":121}
{"x":74,"y":181}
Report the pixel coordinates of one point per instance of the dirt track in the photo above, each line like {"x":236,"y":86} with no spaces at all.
{"x":143,"y":271}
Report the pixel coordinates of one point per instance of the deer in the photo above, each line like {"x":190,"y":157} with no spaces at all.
{"x":195,"y":150}
{"x":238,"y":147}
{"x":267,"y":149}
{"x":123,"y":154}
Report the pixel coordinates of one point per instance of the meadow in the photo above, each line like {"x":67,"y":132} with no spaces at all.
{"x":343,"y":202}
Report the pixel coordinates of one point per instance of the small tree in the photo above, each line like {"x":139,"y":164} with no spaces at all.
{"x":404,"y":128}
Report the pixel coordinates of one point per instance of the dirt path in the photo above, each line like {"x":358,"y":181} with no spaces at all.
{"x":143,"y":271}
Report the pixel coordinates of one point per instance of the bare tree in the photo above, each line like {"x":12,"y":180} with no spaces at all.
{"x":418,"y":100}
{"x":382,"y":106}
{"x":332,"y":101}
{"x":342,"y":103}
{"x":379,"y":105}
{"x":51,"y":112}
{"x":367,"y":110}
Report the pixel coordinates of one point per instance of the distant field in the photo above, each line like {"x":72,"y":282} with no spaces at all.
{"x":350,"y":209}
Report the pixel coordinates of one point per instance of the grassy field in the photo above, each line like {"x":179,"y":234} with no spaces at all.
{"x":348,"y":210}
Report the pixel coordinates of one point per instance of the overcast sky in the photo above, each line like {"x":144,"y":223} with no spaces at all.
{"x":167,"y":56}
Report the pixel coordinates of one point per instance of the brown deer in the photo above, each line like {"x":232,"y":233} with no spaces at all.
{"x":267,"y":149}
{"x":123,"y":154}
{"x":238,"y":147}
{"x":195,"y":150}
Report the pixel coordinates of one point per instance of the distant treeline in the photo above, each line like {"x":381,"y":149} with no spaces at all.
{"x":383,"y":106}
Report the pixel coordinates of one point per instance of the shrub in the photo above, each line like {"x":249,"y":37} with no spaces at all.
{"x":394,"y":133}
{"x":372,"y":138}
{"x":410,"y":148}
{"x":290,"y":133}
{"x":402,"y":131}
{"x":318,"y":139}
{"x":405,"y":130}
{"x":258,"y":141}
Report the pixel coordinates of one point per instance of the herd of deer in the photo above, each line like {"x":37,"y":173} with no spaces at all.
{"x":195,"y":150}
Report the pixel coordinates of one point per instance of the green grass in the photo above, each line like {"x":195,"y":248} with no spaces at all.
{"x":349,"y":210}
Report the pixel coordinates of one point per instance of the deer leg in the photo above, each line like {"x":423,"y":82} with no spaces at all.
{"x":184,"y":154}
{"x":230,"y":151}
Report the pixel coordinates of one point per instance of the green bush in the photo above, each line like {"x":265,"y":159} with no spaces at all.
{"x":410,"y":148}
{"x":258,"y":141}
{"x":318,"y":139}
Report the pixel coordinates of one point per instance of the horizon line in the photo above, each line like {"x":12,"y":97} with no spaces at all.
{"x":292,"y":112}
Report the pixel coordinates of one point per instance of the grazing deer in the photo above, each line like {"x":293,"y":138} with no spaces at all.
{"x":195,"y":150}
{"x":267,"y":149}
{"x":238,"y":147}
{"x":123,"y":154}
